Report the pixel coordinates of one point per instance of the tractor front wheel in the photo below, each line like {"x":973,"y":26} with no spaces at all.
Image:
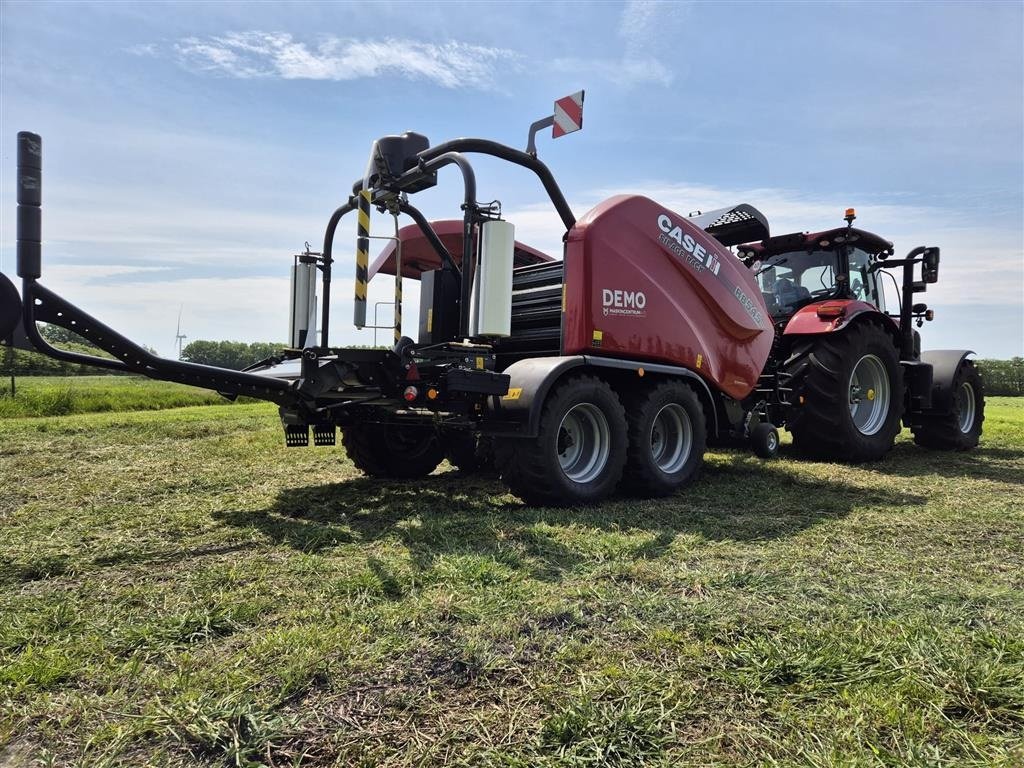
{"x":578,"y":455}
{"x":960,"y":428}
{"x":850,"y":395}
{"x":397,"y":451}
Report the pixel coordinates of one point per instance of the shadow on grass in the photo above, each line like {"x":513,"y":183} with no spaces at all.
{"x":740,"y":499}
{"x":995,"y":463}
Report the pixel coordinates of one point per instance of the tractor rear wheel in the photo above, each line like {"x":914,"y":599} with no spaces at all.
{"x":850,"y":390}
{"x":667,"y":436}
{"x":398,"y":451}
{"x":578,"y":455}
{"x":960,"y":428}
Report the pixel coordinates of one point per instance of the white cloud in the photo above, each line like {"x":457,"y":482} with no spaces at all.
{"x":257,"y":54}
{"x":142,"y":49}
{"x":647,"y":29}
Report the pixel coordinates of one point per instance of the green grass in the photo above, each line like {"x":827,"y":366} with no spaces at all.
{"x":176,"y":588}
{"x":65,"y":395}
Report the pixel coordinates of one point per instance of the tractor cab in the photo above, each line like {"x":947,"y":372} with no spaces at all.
{"x":802,"y":268}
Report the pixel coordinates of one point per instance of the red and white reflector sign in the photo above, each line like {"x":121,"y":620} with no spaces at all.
{"x":568,"y":115}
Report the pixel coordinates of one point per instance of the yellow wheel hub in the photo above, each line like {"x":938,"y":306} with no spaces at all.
{"x":871,"y":394}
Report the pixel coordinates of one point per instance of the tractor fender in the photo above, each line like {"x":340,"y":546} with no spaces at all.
{"x":530,"y":381}
{"x":944,"y":363}
{"x":10,"y":314}
{"x":833,"y":315}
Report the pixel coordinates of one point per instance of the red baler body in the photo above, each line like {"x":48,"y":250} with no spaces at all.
{"x":644,"y":283}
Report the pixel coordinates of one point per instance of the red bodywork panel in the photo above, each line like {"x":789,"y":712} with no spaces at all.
{"x":644,"y":283}
{"x":831,"y":315}
{"x":418,"y":256}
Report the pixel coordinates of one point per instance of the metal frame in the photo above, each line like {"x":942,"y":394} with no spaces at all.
{"x":323,"y":368}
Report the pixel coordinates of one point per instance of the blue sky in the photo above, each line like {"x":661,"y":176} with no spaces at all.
{"x":190,"y":149}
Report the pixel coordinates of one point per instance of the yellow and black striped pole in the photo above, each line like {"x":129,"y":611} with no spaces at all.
{"x":362,"y":257}
{"x":398,"y":284}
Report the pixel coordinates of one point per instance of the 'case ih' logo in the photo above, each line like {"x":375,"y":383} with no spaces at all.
{"x":686,"y":247}
{"x":629,"y":303}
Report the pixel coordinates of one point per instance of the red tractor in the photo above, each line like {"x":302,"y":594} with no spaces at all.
{"x":843,"y":371}
{"x":608,"y":369}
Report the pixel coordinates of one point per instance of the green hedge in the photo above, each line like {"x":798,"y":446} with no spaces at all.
{"x":23,"y":363}
{"x":1003,"y":377}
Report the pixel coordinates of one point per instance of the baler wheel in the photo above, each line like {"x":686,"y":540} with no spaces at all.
{"x":468,"y":452}
{"x":850,"y":385}
{"x":578,"y":455}
{"x":667,"y":437}
{"x":396,"y":451}
{"x":960,"y":428}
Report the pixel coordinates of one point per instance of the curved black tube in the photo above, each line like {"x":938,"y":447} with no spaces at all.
{"x":332,"y":226}
{"x":518,"y":157}
{"x":429,"y":233}
{"x":452,"y":158}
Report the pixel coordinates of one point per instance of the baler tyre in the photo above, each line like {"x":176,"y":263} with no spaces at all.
{"x":469,"y":452}
{"x":395,"y":451}
{"x":578,"y":455}
{"x":667,"y":437}
{"x":960,"y":428}
{"x":764,"y":440}
{"x":851,"y":391}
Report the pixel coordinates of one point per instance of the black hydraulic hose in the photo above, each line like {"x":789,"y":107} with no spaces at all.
{"x":493,"y":148}
{"x":332,"y":226}
{"x":429,"y":233}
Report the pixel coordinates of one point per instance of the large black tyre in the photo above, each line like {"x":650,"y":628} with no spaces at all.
{"x":398,"y":451}
{"x":960,"y":428}
{"x":849,"y":394}
{"x":667,"y":437}
{"x":578,"y":456}
{"x":467,"y":451}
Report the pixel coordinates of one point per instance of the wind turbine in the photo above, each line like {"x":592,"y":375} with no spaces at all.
{"x":178,"y":335}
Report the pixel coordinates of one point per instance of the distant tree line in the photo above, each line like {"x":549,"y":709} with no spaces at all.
{"x":22,"y":363}
{"x":224,"y":354}
{"x":229,"y":354}
{"x":1003,"y":377}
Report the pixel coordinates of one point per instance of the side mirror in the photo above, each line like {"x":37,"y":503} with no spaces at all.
{"x":930,"y":265}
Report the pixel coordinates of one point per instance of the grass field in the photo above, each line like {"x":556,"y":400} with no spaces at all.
{"x":64,"y":395}
{"x":176,"y":588}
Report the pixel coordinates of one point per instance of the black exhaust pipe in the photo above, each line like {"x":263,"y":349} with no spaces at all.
{"x":30,"y":195}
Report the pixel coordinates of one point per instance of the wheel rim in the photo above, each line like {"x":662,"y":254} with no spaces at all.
{"x":772,"y":442}
{"x":869,"y":394}
{"x":671,"y":438}
{"x":584,"y":442}
{"x":411,"y":443}
{"x":965,"y":406}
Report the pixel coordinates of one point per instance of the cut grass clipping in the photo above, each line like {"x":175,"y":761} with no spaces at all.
{"x":176,"y":588}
